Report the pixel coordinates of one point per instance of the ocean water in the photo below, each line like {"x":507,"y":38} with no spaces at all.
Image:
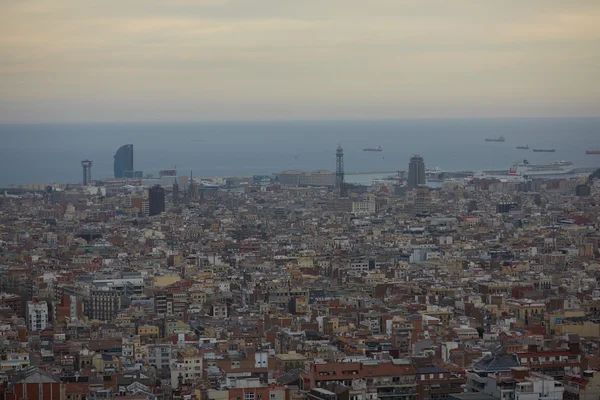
{"x":47,"y":153}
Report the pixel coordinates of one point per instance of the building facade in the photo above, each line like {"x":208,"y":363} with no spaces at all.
{"x":103,"y":304}
{"x":37,"y":315}
{"x":156,"y":200}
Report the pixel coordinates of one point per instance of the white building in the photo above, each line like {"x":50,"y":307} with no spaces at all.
{"x":366,"y":206}
{"x":37,"y":315}
{"x":522,"y":384}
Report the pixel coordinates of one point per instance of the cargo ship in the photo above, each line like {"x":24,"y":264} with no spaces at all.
{"x":526,"y":147}
{"x":555,"y":168}
{"x":500,"y":139}
{"x":544,"y":150}
{"x":373,"y":149}
{"x":592,"y":152}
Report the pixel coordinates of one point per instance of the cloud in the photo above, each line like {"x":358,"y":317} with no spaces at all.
{"x":311,"y":57}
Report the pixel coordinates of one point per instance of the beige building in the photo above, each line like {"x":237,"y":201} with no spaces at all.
{"x":582,"y":326}
{"x":165,"y":280}
{"x":300,"y":178}
{"x":556,"y":318}
{"x":187,"y":368}
{"x":523,"y":309}
{"x":289,"y":361}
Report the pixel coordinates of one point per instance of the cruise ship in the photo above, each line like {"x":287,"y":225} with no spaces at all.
{"x":378,"y":148}
{"x":526,"y":169}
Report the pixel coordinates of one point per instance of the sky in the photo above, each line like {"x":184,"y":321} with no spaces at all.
{"x":193,"y":60}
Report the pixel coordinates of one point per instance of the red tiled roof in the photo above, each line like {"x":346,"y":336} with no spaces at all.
{"x":579,"y":381}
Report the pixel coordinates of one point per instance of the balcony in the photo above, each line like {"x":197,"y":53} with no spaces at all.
{"x":396,"y":392}
{"x":396,"y":395}
{"x":405,"y":381}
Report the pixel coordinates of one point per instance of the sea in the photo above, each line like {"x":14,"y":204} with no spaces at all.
{"x":52,"y":153}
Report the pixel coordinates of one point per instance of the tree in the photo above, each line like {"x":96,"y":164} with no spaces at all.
{"x":481,"y":331}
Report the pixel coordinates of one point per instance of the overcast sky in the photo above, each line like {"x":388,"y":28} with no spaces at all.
{"x":185,"y":60}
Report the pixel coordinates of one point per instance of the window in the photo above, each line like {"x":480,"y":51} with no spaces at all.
{"x":248,"y":396}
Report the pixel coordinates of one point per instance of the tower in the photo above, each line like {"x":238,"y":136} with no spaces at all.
{"x":175,"y":192}
{"x":193,"y":189}
{"x":156,"y":200}
{"x":339,"y":170}
{"x":87,"y":172}
{"x":416,"y":172}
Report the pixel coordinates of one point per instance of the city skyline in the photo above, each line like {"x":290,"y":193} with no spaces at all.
{"x":226,"y":60}
{"x":40,"y":154}
{"x":327,"y":200}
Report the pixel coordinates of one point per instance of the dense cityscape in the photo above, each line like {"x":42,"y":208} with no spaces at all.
{"x":422,"y":285}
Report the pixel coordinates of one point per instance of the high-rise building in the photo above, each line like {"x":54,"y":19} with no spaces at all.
{"x":87,"y":172}
{"x":37,"y":315}
{"x":416,"y":172}
{"x":103,"y":303}
{"x":124,"y":161}
{"x":422,"y":199}
{"x":175,"y":192}
{"x":156,"y":198}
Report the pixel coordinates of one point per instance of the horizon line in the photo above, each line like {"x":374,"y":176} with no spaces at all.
{"x":293,"y":120}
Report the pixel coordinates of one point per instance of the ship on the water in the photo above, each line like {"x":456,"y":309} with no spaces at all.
{"x":526,"y":169}
{"x":592,"y":152}
{"x":544,"y":150}
{"x":500,"y":139}
{"x":373,"y":149}
{"x":526,"y":147}
{"x":434,"y":175}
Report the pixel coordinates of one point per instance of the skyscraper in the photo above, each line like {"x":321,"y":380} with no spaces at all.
{"x":87,"y":172}
{"x":156,"y":200}
{"x":175,"y":192}
{"x":124,"y":161}
{"x":192,"y":189}
{"x":416,"y":172}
